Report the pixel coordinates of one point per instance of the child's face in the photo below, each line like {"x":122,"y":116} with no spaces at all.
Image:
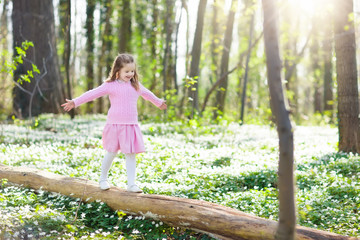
{"x":127,"y":72}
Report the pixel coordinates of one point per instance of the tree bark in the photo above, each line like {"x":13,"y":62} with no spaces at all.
{"x":243,"y":97}
{"x":327,"y":56}
{"x":153,"y":42}
{"x":290,"y":26}
{"x":176,"y":52}
{"x":328,"y":69}
{"x":106,"y":44}
{"x":215,"y":42}
{"x":221,"y":94}
{"x":66,"y":7}
{"x":34,"y":21}
{"x":346,"y":69}
{"x":187,"y":57}
{"x":287,"y":216}
{"x":198,"y":215}
{"x":194,"y":73}
{"x":4,"y":24}
{"x":125,"y":27}
{"x":5,"y":83}
{"x":315,"y":65}
{"x":90,"y":45}
{"x":167,"y":60}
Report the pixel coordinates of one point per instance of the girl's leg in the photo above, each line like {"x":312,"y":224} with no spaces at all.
{"x":131,"y":172}
{"x":105,"y":167}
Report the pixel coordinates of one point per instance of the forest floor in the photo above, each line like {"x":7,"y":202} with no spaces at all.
{"x":227,"y":164}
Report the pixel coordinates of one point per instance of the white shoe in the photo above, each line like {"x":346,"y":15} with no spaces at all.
{"x":104,"y":185}
{"x":134,"y":188}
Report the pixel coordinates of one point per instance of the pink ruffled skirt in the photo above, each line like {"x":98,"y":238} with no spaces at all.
{"x":126,"y":138}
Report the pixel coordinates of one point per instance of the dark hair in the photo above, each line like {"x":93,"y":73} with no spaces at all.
{"x":119,"y":63}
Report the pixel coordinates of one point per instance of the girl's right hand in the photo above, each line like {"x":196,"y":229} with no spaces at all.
{"x":68,"y":105}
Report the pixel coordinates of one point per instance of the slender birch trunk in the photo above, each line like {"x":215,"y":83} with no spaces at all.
{"x":287,"y":217}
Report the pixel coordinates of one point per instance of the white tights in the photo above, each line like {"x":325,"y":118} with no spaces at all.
{"x":130,"y":166}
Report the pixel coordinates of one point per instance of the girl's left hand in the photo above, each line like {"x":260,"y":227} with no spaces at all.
{"x":68,"y":105}
{"x":163,"y":106}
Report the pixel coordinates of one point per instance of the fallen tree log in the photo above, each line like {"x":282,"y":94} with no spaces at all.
{"x":216,"y":220}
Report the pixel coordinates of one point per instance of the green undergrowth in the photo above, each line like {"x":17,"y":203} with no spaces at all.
{"x":227,"y":164}
{"x":36,"y":214}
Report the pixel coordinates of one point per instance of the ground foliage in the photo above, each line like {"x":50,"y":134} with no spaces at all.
{"x":227,"y":164}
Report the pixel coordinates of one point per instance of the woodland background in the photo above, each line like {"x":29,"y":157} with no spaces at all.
{"x":179,"y":57}
{"x":215,"y":62}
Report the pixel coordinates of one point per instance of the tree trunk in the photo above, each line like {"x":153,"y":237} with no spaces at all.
{"x":4,"y":77}
{"x":153,"y":42}
{"x":346,"y":69}
{"x":243,"y":97}
{"x":222,"y":77}
{"x":221,"y":94}
{"x":315,"y":65}
{"x":327,"y":55}
{"x":187,"y":56}
{"x":167,"y":51}
{"x":65,"y":7}
{"x":215,"y":42}
{"x":106,"y":43}
{"x":125,"y":27}
{"x":176,"y":52}
{"x":198,"y":215}
{"x":4,"y":24}
{"x":34,"y":21}
{"x":90,"y":37}
{"x":287,"y":217}
{"x":194,"y":73}
{"x":290,"y":53}
{"x":328,"y":81}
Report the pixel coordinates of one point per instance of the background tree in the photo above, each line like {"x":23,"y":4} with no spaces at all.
{"x":287,"y":217}
{"x":290,"y":33}
{"x":221,"y":94}
{"x":153,"y":40}
{"x":248,"y":55}
{"x":34,"y":21}
{"x":4,"y":45}
{"x":167,"y":59}
{"x":327,"y":49}
{"x":90,"y":47}
{"x":215,"y":39}
{"x":315,"y":65}
{"x":106,"y":43}
{"x":346,"y":71}
{"x":65,"y":23}
{"x":195,"y":57}
{"x":125,"y":27}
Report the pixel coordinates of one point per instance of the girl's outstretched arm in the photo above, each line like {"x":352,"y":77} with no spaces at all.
{"x":68,"y":105}
{"x":149,"y":96}
{"x":92,"y":94}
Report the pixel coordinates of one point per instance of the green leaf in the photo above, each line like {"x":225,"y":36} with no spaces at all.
{"x":35,"y":68}
{"x":20,"y":51}
{"x":30,"y":73}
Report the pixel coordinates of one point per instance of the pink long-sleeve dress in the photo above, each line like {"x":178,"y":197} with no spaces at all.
{"x":122,"y":131}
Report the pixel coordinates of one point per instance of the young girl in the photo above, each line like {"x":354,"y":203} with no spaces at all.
{"x":121,"y":132}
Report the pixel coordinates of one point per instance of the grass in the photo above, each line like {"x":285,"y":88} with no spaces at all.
{"x":226,"y":164}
